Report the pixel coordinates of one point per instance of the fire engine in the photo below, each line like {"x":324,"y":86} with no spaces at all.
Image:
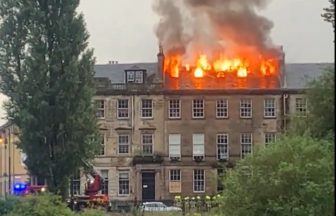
{"x":91,"y":197}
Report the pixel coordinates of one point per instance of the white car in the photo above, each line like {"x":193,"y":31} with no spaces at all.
{"x":158,"y":206}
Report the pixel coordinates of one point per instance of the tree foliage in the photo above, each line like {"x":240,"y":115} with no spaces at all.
{"x":319,"y":122}
{"x":47,"y":72}
{"x":291,"y":177}
{"x":329,"y":13}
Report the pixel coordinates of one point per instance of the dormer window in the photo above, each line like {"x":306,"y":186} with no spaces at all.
{"x":135,"y":76}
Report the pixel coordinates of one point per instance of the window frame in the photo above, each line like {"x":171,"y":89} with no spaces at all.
{"x":222,"y":144}
{"x":146,"y":144}
{"x":146,"y":108}
{"x":100,"y":109}
{"x":128,"y":181}
{"x":122,"y":144}
{"x":241,"y":109}
{"x":244,"y":144}
{"x":273,"y":139}
{"x":303,"y":106}
{"x":169,"y":145}
{"x":202,"y":180}
{"x":193,"y":145}
{"x":177,"y":110}
{"x":193,"y":109}
{"x":267,"y":109}
{"x":102,"y":145}
{"x":105,"y":184}
{"x":121,"y":109}
{"x":225,"y":109}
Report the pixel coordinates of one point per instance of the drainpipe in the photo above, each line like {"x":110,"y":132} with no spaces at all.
{"x":284,"y":104}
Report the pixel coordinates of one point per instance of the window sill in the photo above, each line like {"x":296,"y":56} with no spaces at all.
{"x":270,"y":117}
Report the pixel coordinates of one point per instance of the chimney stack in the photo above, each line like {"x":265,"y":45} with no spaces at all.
{"x":160,"y":73}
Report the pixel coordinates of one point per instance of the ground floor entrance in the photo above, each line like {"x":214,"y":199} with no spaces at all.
{"x":148,"y":186}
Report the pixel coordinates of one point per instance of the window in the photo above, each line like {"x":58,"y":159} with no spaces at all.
{"x":123,"y":144}
{"x":75,"y":183}
{"x":146,"y":108}
{"x":198,"y":108}
{"x":100,"y":108}
{"x":198,"y":180}
{"x":301,"y":106}
{"x":123,"y":183}
{"x":139,"y":77}
{"x":246,"y":144}
{"x":222,"y":108}
{"x":222,"y":146}
{"x":220,"y":176}
{"x":269,"y":108}
{"x":174,"y":109}
{"x":130,"y":76}
{"x":174,"y":145}
{"x":269,"y":138}
{"x":122,"y":109}
{"x":147,"y":143}
{"x":104,"y":187}
{"x":198,"y":144}
{"x":175,"y":181}
{"x":246,"y":108}
{"x":102,"y":145}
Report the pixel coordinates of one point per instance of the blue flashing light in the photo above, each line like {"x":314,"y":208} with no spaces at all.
{"x":20,"y":186}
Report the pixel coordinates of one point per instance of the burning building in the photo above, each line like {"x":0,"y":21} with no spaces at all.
{"x":218,"y":89}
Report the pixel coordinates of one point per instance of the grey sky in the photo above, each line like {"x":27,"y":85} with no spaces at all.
{"x":123,"y":30}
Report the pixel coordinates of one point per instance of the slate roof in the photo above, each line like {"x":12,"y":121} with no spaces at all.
{"x":297,"y":75}
{"x":115,"y":72}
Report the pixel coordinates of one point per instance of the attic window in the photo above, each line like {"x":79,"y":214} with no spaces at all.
{"x":136,"y":76}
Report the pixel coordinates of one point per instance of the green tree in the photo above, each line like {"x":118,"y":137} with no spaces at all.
{"x":319,"y":122}
{"x":321,"y":105}
{"x":291,"y":177}
{"x":329,"y":13}
{"x":47,"y":72}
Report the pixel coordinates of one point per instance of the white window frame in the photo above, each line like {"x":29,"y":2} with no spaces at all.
{"x":139,"y":76}
{"x":102,"y":145}
{"x":222,"y":144}
{"x":245,"y":109}
{"x":193,"y":139}
{"x":270,"y":111}
{"x":174,"y":144}
{"x":301,"y":106}
{"x":130,"y":78}
{"x":122,"y":109}
{"x":224,"y":109}
{"x":203,"y":191}
{"x":100,"y":108}
{"x":129,"y":187}
{"x":244,"y":144}
{"x":198,"y":108}
{"x":105,"y":180}
{"x":122,"y":144}
{"x":146,"y":108}
{"x":271,"y":136}
{"x":142,"y":143}
{"x":171,"y":109}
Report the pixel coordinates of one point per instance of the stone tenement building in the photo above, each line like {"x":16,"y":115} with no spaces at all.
{"x":165,"y":137}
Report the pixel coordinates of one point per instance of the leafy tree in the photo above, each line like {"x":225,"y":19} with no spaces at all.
{"x":321,"y":105}
{"x":47,"y":72}
{"x":291,"y":177}
{"x":319,"y":122}
{"x":329,"y":13}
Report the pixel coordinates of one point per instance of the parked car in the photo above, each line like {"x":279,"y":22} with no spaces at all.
{"x":158,"y":206}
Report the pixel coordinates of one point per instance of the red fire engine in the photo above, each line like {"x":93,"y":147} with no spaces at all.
{"x":91,"y":198}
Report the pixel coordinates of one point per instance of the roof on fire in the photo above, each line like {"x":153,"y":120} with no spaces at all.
{"x":297,"y":75}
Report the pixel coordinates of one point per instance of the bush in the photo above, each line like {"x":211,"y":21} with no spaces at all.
{"x":291,"y":177}
{"x":8,"y":205}
{"x":41,"y":205}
